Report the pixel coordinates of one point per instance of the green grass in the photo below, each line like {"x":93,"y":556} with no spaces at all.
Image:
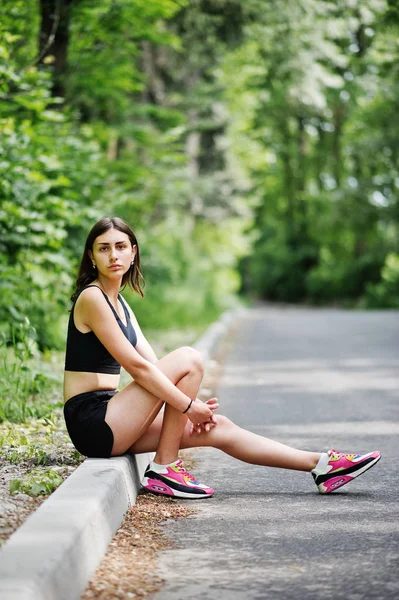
{"x":36,"y":483}
{"x":30,"y":382}
{"x":43,"y":441}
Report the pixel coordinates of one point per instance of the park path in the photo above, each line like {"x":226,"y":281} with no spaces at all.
{"x":314,"y":379}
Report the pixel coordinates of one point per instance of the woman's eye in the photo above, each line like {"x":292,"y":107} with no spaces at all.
{"x":121,"y":247}
{"x":103,"y":248}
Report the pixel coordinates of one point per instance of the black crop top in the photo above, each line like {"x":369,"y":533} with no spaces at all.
{"x":85,"y":352}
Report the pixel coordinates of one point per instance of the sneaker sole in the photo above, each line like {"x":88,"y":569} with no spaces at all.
{"x":344,"y":479}
{"x":161,"y":489}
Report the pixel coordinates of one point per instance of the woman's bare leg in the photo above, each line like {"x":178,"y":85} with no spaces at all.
{"x":131,"y":411}
{"x":132,"y":416}
{"x":237,"y":442}
{"x":174,"y":422}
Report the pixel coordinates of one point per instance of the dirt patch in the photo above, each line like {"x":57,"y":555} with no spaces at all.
{"x":16,"y":512}
{"x":128,"y":570}
{"x":14,"y":509}
{"x":29,"y":453}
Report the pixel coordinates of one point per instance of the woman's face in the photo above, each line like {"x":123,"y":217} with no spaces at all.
{"x":112,"y":253}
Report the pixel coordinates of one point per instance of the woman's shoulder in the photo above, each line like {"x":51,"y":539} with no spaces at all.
{"x":90,"y":294}
{"x":91,"y":289}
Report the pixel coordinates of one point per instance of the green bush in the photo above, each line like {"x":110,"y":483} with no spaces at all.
{"x":278,"y":272}
{"x":385,"y":294}
{"x":343,"y":279}
{"x":26,"y":387}
{"x":37,"y":483}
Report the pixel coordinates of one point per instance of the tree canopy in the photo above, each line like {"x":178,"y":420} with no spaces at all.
{"x":251,"y":144}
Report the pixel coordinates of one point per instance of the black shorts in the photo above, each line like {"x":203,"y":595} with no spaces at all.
{"x":85,"y":420}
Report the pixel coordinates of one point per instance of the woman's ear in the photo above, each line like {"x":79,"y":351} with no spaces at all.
{"x":90,"y":253}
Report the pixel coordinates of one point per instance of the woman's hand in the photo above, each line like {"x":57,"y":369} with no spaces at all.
{"x":196,"y":415}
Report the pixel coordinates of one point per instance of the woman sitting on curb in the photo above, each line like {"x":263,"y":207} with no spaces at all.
{"x":104,"y":334}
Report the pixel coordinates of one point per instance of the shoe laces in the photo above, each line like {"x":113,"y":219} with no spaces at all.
{"x":183,"y":471}
{"x":334,"y":455}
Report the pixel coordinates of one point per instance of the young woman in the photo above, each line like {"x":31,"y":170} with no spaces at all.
{"x":103,"y":334}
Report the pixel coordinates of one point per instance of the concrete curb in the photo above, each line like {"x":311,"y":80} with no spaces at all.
{"x":55,"y":552}
{"x":207,"y":343}
{"x":70,"y":532}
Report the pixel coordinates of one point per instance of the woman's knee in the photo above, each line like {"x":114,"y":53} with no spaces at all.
{"x":194,"y":359}
{"x":224,"y":422}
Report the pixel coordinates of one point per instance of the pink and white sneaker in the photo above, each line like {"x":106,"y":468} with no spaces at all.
{"x":174,"y":481}
{"x":341,"y":469}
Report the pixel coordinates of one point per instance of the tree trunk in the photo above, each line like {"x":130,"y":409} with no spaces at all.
{"x":192,"y":151}
{"x":301,"y":174}
{"x":154,"y":91}
{"x":54,"y":39}
{"x":338,"y":124}
{"x":320,"y":151}
{"x":301,"y":179}
{"x":286,"y":156}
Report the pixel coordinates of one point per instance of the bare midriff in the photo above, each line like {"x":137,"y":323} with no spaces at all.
{"x":81,"y":382}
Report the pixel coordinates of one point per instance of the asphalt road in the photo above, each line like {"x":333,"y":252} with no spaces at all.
{"x":314,"y":379}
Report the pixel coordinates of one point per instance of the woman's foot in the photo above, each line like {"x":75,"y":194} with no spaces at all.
{"x":335,"y":469}
{"x":173,"y":480}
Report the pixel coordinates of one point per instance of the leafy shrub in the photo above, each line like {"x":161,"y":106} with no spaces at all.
{"x":41,"y":441}
{"x":385,"y":294}
{"x":25,"y":385}
{"x":341,"y":279}
{"x":37,"y":483}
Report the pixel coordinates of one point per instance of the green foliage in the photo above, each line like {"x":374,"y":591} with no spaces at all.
{"x":25,"y":451}
{"x":38,"y":441}
{"x":313,"y":96}
{"x":385,"y":294}
{"x":37,"y":483}
{"x":48,"y":164}
{"x":223,"y":131}
{"x":26,"y":386}
{"x":106,"y":39}
{"x":190,"y":276}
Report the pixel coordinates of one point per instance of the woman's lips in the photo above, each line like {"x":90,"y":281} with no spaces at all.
{"x":114,"y":267}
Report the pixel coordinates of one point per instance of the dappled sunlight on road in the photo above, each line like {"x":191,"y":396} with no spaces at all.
{"x":335,"y":428}
{"x":316,"y":375}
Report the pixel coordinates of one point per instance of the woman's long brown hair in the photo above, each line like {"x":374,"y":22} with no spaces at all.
{"x":87,"y":274}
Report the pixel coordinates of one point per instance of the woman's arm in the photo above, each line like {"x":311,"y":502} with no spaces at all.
{"x":98,"y":316}
{"x":145,"y":349}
